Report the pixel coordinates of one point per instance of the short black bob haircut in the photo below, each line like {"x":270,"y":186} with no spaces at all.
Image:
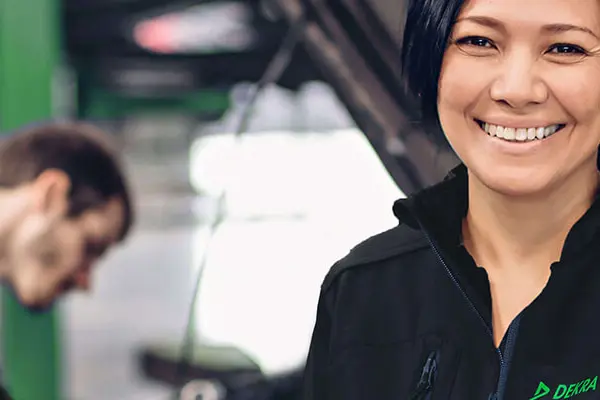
{"x":426,"y":35}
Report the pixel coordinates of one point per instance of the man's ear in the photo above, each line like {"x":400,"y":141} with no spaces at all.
{"x":51,"y":192}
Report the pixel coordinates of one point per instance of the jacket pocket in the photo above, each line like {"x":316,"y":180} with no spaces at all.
{"x":419,"y":369}
{"x":427,"y":379}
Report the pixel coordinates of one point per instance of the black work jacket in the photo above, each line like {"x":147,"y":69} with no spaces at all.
{"x":407,"y":316}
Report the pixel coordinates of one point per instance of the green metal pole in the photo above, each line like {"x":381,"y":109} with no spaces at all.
{"x":29,"y":56}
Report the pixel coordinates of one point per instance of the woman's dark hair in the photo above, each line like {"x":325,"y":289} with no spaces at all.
{"x":426,"y":33}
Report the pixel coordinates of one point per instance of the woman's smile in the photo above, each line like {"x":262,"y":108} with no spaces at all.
{"x":526,"y":75}
{"x":519,"y":134}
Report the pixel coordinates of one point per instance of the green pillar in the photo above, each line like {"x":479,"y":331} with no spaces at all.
{"x":29,"y":56}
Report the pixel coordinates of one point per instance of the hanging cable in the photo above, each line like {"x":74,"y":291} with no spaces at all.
{"x":273,"y":72}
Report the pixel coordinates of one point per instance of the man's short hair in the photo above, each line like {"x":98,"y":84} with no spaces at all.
{"x":85,"y":153}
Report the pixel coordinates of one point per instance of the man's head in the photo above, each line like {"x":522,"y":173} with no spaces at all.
{"x":63,"y":202}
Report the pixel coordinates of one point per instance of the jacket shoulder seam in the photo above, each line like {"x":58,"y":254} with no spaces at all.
{"x":395,"y":242}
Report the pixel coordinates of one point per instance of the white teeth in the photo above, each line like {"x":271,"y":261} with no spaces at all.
{"x":539,"y":133}
{"x":550,"y":130}
{"x":509,"y":133}
{"x":519,"y":134}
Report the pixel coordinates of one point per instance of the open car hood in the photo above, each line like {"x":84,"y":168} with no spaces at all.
{"x":356,"y":45}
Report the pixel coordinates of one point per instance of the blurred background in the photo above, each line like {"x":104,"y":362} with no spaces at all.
{"x":327,"y":150}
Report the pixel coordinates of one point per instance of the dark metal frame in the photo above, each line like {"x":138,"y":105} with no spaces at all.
{"x":360,"y":58}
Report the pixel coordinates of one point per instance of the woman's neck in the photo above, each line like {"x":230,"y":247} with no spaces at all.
{"x":504,"y":231}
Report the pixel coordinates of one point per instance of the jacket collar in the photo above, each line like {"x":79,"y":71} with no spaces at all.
{"x":438,"y":209}
{"x":441,"y":208}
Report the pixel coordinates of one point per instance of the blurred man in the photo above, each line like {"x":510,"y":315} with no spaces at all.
{"x":63,"y":203}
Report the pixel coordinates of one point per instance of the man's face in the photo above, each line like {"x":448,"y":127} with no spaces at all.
{"x":49,"y":254}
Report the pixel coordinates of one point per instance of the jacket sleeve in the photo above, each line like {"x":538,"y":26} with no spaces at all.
{"x":317,"y":364}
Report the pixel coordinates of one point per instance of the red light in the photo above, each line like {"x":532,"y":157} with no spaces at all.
{"x":156,"y":35}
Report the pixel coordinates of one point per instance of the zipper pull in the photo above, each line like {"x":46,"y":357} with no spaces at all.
{"x":427,"y":377}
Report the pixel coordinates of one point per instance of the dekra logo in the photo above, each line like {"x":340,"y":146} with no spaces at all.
{"x":565,"y":391}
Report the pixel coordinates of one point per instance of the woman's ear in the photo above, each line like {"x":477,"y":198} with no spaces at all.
{"x":51,"y":192}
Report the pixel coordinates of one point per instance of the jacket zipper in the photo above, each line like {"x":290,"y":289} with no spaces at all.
{"x":511,"y":334}
{"x":427,"y":378}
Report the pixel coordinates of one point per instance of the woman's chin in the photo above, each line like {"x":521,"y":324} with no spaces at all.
{"x":515,"y":183}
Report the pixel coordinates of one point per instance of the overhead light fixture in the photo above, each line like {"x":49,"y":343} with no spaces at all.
{"x":206,"y":28}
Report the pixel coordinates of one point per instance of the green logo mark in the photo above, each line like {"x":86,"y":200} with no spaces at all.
{"x":541,"y":391}
{"x":564,"y":391}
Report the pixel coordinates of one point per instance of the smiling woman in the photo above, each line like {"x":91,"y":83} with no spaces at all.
{"x":521,"y":68}
{"x":489,"y":286}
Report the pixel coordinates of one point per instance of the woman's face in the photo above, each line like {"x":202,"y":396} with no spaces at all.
{"x":519,"y":96}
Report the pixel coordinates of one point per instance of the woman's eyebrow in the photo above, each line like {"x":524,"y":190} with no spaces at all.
{"x":550,"y":28}
{"x":559,"y":28}
{"x":485,"y":21}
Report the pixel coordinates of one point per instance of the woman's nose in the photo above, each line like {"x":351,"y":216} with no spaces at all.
{"x":518,"y":83}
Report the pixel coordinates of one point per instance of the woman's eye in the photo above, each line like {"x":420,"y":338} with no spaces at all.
{"x":476,"y":46}
{"x":475,"y":41}
{"x":567,"y":49}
